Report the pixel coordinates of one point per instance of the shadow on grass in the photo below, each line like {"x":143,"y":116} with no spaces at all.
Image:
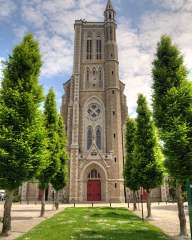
{"x":95,"y":224}
{"x":122,"y":234}
{"x":116,"y":216}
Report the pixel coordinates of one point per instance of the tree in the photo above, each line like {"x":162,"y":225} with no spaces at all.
{"x":130,"y":169}
{"x":53,"y":160}
{"x":59,"y":180}
{"x":172,"y":104}
{"x":148,"y":152}
{"x":21,"y":124}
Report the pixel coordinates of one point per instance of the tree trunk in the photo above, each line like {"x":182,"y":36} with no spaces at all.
{"x":149,"y":203}
{"x":7,"y":213}
{"x":43,"y":203}
{"x":57,"y":200}
{"x":181,"y":212}
{"x":134,"y":201}
{"x":138,"y":200}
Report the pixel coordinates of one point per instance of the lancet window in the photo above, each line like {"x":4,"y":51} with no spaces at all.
{"x":89,"y":49}
{"x":94,"y":174}
{"x":98,"y":137}
{"x":99,"y":48}
{"x":89,"y":137}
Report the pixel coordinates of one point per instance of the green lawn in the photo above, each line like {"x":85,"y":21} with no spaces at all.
{"x":94,"y":223}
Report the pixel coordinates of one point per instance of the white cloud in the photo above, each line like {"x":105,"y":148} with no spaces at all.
{"x":34,"y":16}
{"x":7,"y":8}
{"x":134,"y":67}
{"x":137,"y":48}
{"x":53,"y":23}
{"x":20,"y":31}
{"x":57,"y":55}
{"x":176,"y":24}
{"x":175,"y":5}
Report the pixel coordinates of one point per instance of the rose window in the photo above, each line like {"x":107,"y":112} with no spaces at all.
{"x":94,"y":111}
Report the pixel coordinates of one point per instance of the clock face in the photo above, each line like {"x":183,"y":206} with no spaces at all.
{"x":94,"y":111}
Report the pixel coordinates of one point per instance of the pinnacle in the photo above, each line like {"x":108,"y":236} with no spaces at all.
{"x":109,"y":5}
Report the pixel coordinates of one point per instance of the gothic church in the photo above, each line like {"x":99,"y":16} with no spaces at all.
{"x":94,"y":110}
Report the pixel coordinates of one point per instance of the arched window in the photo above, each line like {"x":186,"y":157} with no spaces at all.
{"x":100,"y":78}
{"x":88,"y":75}
{"x":99,"y":46}
{"x":89,"y":46}
{"x":111,"y":33}
{"x":94,"y":71}
{"x":89,"y":137}
{"x":98,"y":137}
{"x":94,"y":74}
{"x":108,"y":33}
{"x":94,"y":174}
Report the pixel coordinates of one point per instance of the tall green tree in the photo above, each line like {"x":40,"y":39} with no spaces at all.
{"x":21,"y":124}
{"x":148,"y":152}
{"x":130,"y":169}
{"x":172,"y":103}
{"x":53,"y":160}
{"x":59,"y":180}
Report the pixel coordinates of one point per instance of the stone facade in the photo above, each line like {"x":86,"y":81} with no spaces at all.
{"x":94,"y":110}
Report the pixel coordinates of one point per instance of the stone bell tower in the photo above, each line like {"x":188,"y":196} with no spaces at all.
{"x":113,"y":94}
{"x":94,"y":110}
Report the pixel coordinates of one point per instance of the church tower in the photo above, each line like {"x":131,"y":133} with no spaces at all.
{"x":94,"y":110}
{"x":113,"y":94}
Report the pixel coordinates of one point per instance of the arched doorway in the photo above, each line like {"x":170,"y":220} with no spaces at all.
{"x":94,"y":186}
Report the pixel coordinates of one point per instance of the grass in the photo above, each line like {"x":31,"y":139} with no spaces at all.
{"x":94,"y":223}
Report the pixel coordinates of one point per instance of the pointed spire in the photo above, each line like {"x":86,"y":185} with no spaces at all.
{"x":109,"y":12}
{"x":109,"y":5}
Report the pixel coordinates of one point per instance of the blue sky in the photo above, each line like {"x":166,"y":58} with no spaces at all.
{"x":140,"y":25}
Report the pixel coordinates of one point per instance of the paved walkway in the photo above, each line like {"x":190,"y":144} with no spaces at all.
{"x":25,"y":217}
{"x":166,"y":217}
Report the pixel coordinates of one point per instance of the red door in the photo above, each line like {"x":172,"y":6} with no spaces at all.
{"x":94,"y":190}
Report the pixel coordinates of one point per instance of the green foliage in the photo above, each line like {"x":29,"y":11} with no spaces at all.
{"x":59,"y":180}
{"x":51,"y":117}
{"x":147,"y":151}
{"x":22,"y":132}
{"x":172,"y":103}
{"x":51,"y":126}
{"x":130,"y":170}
